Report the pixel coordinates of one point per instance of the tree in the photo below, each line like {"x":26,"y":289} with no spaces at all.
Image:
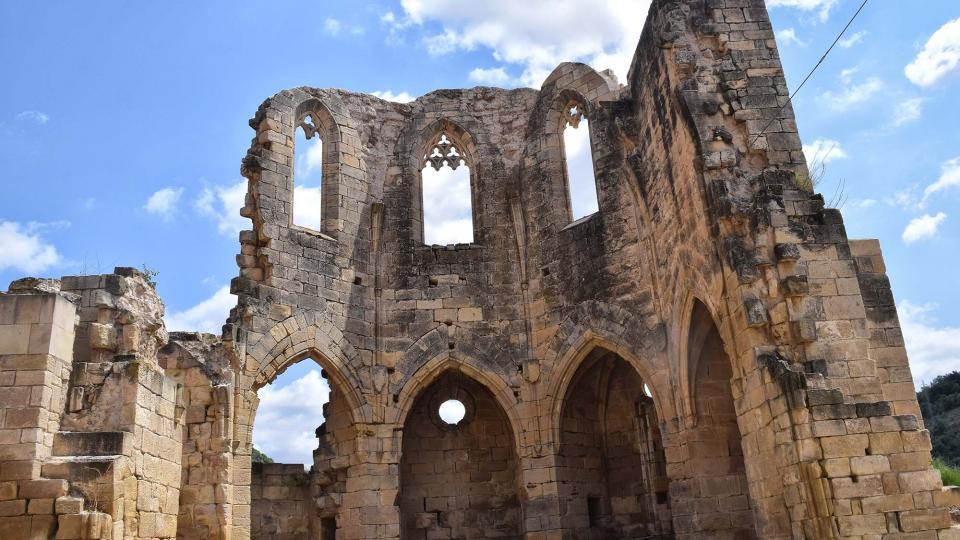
{"x":940,"y":405}
{"x":259,"y":457}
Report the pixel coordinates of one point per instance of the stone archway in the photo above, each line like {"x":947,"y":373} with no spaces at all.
{"x":714,"y":476}
{"x":288,"y":500}
{"x":611,"y":466}
{"x":458,"y":480}
{"x":318,"y":494}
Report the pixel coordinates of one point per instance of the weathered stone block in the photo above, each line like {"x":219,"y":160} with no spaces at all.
{"x":42,"y":489}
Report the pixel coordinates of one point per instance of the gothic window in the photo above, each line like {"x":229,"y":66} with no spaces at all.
{"x":446,"y":194}
{"x":578,"y":160}
{"x":308,"y":174}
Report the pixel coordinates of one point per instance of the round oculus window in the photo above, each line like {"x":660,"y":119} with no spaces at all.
{"x":452,"y":411}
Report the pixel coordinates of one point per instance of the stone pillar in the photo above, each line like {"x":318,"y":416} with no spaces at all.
{"x":368,"y":510}
{"x":36,"y":348}
{"x":245,"y":406}
{"x":541,"y":506}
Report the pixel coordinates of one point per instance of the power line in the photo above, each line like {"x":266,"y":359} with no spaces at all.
{"x":812,"y":71}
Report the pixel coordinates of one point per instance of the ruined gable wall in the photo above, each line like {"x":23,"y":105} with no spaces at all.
{"x":702,"y":196}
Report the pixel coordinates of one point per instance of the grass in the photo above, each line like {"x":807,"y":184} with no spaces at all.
{"x":949,"y":474}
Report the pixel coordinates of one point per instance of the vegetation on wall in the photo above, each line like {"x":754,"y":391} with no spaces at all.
{"x":150,"y":275}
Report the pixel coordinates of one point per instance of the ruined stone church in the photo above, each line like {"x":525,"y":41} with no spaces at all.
{"x":707,"y":356}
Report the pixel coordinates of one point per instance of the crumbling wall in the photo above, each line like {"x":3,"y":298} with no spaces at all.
{"x":337,"y":441}
{"x":108,"y":464}
{"x":886,"y":346}
{"x":780,"y":282}
{"x":200,"y":366}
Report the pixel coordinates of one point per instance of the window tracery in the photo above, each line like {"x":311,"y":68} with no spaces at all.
{"x":444,"y":152}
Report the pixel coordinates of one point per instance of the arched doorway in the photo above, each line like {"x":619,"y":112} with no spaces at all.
{"x":610,"y":464}
{"x":717,"y":482}
{"x":298,"y":499}
{"x":458,"y":467}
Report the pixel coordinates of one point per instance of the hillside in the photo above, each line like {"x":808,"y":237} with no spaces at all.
{"x":940,"y":403}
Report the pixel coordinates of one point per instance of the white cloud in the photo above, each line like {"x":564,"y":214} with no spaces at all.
{"x":309,"y":158}
{"x":940,"y":56}
{"x":603,"y":34}
{"x":908,"y":111}
{"x":933,"y":349}
{"x":824,"y":151}
{"x":223,"y":204}
{"x":851,"y":94}
{"x":400,"y":97}
{"x":288,"y":417}
{"x":307,"y":177}
{"x":905,"y":199}
{"x":24,"y":248}
{"x":493,"y":76}
{"x":789,"y":35}
{"x":307,"y":207}
{"x":441,"y":44}
{"x":858,"y":204}
{"x":332,"y":26}
{"x":949,"y":177}
{"x":822,"y":7}
{"x":447,"y":217}
{"x":207,"y":316}
{"x":580,"y":173}
{"x":335,"y":27}
{"x":389,"y":18}
{"x":923,"y":227}
{"x":852,"y":39}
{"x":164,"y":202}
{"x":36,"y":117}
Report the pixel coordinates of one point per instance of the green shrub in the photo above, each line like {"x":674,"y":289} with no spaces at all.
{"x":150,"y":275}
{"x":950,"y":475}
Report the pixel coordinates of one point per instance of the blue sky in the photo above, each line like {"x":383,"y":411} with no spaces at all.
{"x":122,"y":126}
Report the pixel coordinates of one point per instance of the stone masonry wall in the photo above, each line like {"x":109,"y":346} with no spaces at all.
{"x":703,"y":199}
{"x":284,"y":504}
{"x":458,"y":481}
